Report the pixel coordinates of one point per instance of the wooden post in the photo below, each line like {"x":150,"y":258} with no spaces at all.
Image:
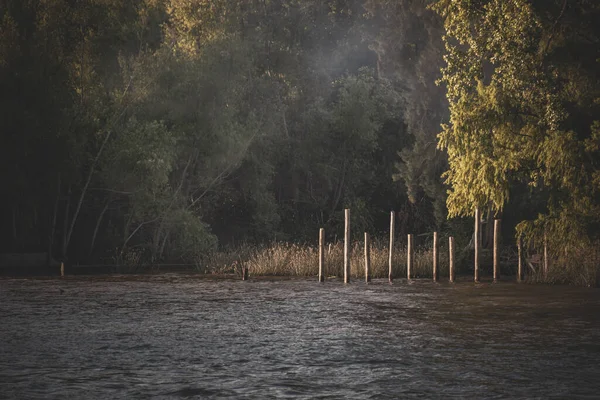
{"x":496,"y":248}
{"x":391,"y":258}
{"x":597,"y":259}
{"x":520,"y":256}
{"x":321,"y":254}
{"x":409,"y":256}
{"x":451,"y":257}
{"x":545,"y":256}
{"x":476,"y":245}
{"x":435,"y":257}
{"x":367,"y":259}
{"x":244,"y":272}
{"x":62,"y":269}
{"x":347,"y":245}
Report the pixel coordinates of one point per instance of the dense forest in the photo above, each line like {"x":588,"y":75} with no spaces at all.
{"x":163,"y":130}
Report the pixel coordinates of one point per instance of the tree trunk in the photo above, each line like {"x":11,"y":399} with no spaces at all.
{"x":84,"y":191}
{"x":65,"y":240}
{"x":339,"y":192}
{"x":162,"y":246}
{"x":97,"y":227}
{"x":156,"y":240}
{"x":14,"y":223}
{"x":54,"y":217}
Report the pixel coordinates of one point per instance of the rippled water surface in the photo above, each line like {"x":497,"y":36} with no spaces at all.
{"x":175,"y":336}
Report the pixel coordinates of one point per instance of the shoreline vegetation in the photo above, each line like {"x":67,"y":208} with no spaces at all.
{"x":280,"y":260}
{"x":287,"y":259}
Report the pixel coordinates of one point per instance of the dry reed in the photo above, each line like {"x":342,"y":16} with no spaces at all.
{"x":575,"y":266}
{"x":286,"y":259}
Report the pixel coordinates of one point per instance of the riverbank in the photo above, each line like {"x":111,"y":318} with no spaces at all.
{"x":294,"y":260}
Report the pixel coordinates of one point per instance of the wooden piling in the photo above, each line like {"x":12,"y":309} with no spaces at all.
{"x":451,"y":258}
{"x":347,"y":245}
{"x":409,"y":256}
{"x":476,"y":266}
{"x":435,"y":257}
{"x":496,"y":249}
{"x":321,"y":254}
{"x":367,"y":259}
{"x":244,"y":272}
{"x":391,"y":257}
{"x":62,"y":269}
{"x":597,"y":268}
{"x":545,"y":256}
{"x":520,"y":256}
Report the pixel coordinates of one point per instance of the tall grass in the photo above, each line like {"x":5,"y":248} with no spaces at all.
{"x":422,"y":265}
{"x":575,"y":265}
{"x":286,"y":259}
{"x":227,"y":261}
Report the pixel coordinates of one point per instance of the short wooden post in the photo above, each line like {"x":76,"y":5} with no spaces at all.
{"x":545,"y":256}
{"x":244,"y":272}
{"x":367,"y":259}
{"x":451,"y":257}
{"x":435,"y":257}
{"x":496,"y":248}
{"x":391,"y":258}
{"x":520,"y":257}
{"x":347,"y":245}
{"x":476,"y":267}
{"x":321,"y":254}
{"x":62,"y":269}
{"x":409,"y":256}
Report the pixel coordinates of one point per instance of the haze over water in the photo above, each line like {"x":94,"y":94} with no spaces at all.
{"x":177,"y":336}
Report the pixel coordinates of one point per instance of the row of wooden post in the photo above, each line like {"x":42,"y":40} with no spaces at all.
{"x":367,"y":252}
{"x":410,"y":252}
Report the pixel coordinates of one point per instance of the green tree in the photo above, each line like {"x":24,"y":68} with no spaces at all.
{"x":523,"y":87}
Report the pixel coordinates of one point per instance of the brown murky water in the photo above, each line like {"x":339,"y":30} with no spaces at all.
{"x":175,"y":336}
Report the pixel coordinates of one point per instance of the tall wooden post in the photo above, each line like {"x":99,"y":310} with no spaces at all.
{"x":391,"y":258}
{"x":597,"y":268}
{"x":496,"y":248}
{"x":367,"y":259}
{"x":545,"y":256}
{"x":451,"y":257}
{"x":347,"y":246}
{"x":409,"y":256}
{"x":520,"y":256}
{"x":435,"y":257}
{"x":477,"y":223}
{"x":321,"y":254}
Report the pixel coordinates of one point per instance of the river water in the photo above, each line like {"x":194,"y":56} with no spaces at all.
{"x":177,"y":336}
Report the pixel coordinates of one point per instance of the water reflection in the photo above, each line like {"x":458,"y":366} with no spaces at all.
{"x":184,"y":337}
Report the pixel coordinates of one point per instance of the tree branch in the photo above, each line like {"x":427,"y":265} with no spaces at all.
{"x":553,"y":29}
{"x":116,"y":191}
